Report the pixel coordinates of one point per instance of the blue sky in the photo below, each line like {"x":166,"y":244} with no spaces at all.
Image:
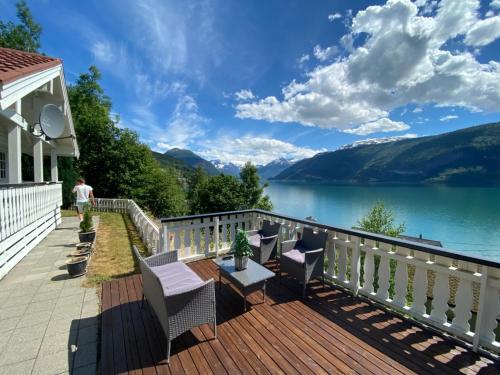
{"x":257,"y":80}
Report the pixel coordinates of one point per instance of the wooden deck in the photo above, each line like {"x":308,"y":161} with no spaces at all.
{"x":330,"y":332}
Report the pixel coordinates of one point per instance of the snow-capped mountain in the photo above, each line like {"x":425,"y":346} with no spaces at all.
{"x":226,"y":168}
{"x":374,"y":141}
{"x":274,"y":168}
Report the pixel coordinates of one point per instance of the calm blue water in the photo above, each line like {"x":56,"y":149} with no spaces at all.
{"x":463,"y":219}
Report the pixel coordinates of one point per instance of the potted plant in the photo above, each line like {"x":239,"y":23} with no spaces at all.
{"x":87,"y":232}
{"x":77,"y":266}
{"x":241,"y":250}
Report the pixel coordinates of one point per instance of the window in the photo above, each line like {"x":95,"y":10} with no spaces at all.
{"x":3,"y":166}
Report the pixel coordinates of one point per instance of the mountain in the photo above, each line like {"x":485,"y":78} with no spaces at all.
{"x":273,"y":168}
{"x":468,"y":156}
{"x":374,"y":141}
{"x":193,"y":160}
{"x":226,"y":168}
{"x":167,"y":161}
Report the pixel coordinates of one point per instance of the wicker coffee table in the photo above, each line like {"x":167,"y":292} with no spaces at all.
{"x":253,"y":278}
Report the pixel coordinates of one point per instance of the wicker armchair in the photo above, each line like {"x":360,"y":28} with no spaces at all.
{"x":180,"y":299}
{"x":264,"y":242}
{"x":304,"y":259}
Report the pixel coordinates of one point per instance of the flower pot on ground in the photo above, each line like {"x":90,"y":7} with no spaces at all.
{"x":83,"y":245}
{"x":87,"y":236}
{"x":77,"y":266}
{"x":87,"y":232}
{"x":242,"y":250}
{"x":82,"y":252}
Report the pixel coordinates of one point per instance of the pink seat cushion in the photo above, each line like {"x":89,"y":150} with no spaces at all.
{"x":254,"y":240}
{"x":176,"y":277}
{"x":295,"y":255}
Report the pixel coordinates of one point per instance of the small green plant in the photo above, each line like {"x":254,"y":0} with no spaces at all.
{"x":241,"y":246}
{"x":86,"y":224}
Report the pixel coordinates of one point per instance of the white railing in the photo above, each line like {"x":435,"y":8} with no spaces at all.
{"x":454,"y":293}
{"x":148,"y":230}
{"x":27,"y":213}
{"x":203,"y":236}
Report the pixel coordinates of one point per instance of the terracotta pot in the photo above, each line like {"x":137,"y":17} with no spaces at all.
{"x":77,"y":266}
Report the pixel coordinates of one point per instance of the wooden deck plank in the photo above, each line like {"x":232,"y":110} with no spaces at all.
{"x":140,"y":336}
{"x":107,"y":332}
{"x":329,"y":332}
{"x":131,"y":350}
{"x":119,"y":357}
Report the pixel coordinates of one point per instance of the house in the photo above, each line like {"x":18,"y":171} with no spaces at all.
{"x":29,"y":202}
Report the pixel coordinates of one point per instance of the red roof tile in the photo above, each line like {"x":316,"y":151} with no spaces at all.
{"x":15,"y":64}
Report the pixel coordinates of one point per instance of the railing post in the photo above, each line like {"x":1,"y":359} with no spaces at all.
{"x":161,"y":241}
{"x":216,"y":235}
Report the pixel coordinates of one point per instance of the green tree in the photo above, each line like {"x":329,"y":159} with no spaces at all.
{"x":251,"y":190}
{"x":196,"y":181}
{"x":380,"y":220}
{"x":218,"y":194}
{"x":24,"y":36}
{"x":113,"y":160}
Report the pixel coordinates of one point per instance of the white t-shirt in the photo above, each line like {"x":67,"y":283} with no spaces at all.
{"x":82,"y":193}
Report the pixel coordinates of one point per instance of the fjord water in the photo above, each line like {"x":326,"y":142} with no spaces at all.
{"x":465,"y":220}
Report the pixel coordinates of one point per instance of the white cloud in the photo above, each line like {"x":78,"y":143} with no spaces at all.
{"x":495,"y":4}
{"x":383,"y":125}
{"x":448,"y":118}
{"x":325,"y":54}
{"x":302,"y":60}
{"x":334,"y":16}
{"x":244,"y":95}
{"x":417,"y":110}
{"x":483,"y":32}
{"x":401,"y":59}
{"x":103,"y":51}
{"x":184,"y":128}
{"x":258,"y":150}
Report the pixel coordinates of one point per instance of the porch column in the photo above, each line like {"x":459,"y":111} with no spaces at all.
{"x":54,"y":173}
{"x":14,"y":161}
{"x":38,"y":160}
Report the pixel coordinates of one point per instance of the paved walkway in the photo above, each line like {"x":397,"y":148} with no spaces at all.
{"x":48,"y":322}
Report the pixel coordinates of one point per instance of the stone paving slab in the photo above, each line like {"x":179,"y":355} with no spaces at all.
{"x":48,"y":322}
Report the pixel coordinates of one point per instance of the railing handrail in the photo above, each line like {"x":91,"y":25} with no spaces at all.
{"x":29,"y":184}
{"x":418,"y":246}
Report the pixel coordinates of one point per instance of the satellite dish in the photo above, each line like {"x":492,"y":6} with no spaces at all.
{"x":51,"y":121}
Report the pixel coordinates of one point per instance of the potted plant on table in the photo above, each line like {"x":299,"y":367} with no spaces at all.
{"x":87,"y":232}
{"x":241,"y":250}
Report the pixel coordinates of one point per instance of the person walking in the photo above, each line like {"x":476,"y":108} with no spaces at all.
{"x":84,"y":195}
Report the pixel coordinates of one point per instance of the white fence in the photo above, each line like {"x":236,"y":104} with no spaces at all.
{"x":148,"y":230}
{"x":451,"y":292}
{"x":28,"y":213}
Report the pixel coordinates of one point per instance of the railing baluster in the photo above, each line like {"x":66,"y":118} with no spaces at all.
{"x":355,"y":264}
{"x":463,"y":303}
{"x":384,"y":272}
{"x":420,"y":283}
{"x":441,"y":292}
{"x":369,"y":266}
{"x":401,"y":279}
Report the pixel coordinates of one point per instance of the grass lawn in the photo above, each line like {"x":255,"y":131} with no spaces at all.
{"x":113,"y":257}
